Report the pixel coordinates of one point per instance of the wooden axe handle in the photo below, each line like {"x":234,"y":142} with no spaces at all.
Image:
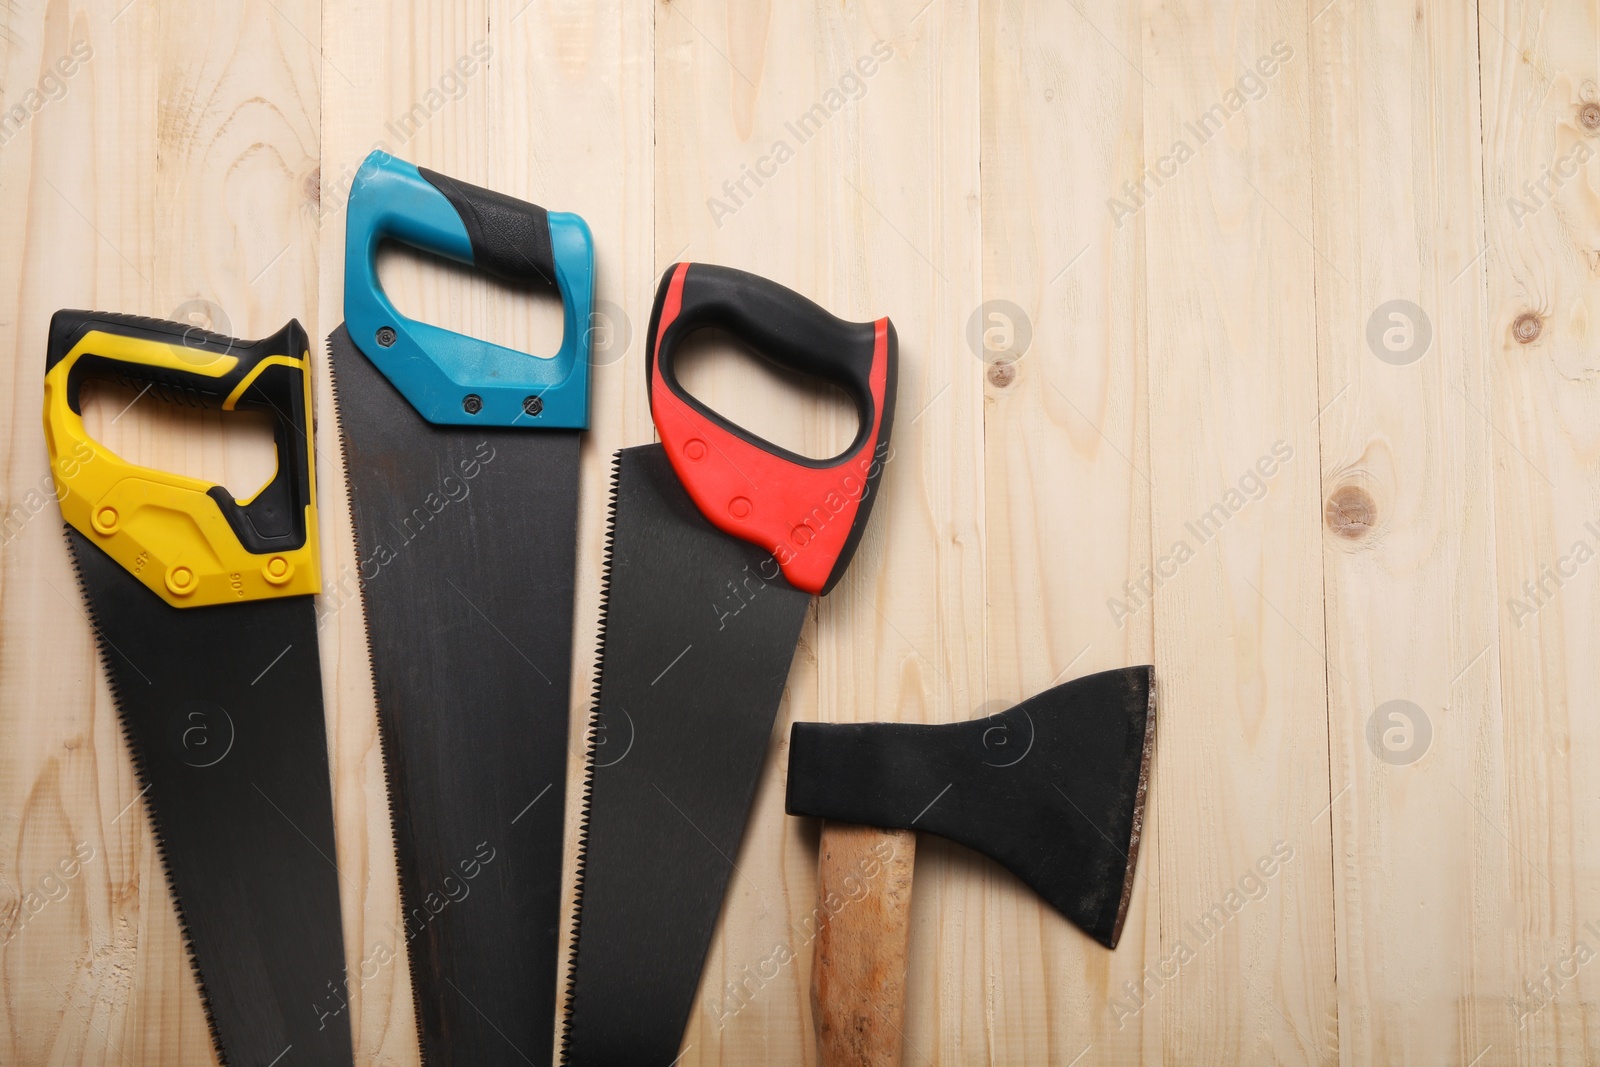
{"x":858,"y":975}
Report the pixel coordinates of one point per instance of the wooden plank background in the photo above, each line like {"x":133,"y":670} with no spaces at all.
{"x":1250,"y":340}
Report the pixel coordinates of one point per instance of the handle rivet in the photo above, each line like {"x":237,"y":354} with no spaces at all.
{"x":738,"y":507}
{"x":278,"y":570}
{"x":694,"y":448}
{"x":472,"y":403}
{"x":801,"y":535}
{"x":105,"y":520}
{"x":385,"y":336}
{"x":181,"y":581}
{"x":532,"y":405}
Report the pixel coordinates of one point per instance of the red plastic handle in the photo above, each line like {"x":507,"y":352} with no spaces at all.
{"x":808,"y":513}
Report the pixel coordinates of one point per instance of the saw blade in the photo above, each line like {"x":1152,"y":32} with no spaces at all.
{"x":698,"y":634}
{"x":466,"y":539}
{"x":222,"y":709}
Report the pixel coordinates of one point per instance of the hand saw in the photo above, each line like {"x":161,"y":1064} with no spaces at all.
{"x":718,"y":541}
{"x":202,"y":605}
{"x":462,"y":460}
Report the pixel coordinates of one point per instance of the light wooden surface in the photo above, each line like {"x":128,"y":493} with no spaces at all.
{"x":1217,"y":452}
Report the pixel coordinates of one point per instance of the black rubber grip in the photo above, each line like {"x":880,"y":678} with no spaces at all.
{"x":781,"y":326}
{"x":274,"y":520}
{"x":510,"y":237}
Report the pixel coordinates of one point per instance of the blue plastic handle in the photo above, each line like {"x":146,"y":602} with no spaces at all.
{"x":438,"y":371}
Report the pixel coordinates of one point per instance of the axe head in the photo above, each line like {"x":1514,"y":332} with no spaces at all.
{"x":1052,"y":789}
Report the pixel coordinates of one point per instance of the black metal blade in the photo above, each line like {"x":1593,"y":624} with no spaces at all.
{"x":698,"y":636}
{"x":467,"y":540}
{"x":1053,"y":788}
{"x":222,"y":708}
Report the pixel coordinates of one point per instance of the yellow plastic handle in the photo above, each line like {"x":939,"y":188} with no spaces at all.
{"x":190,"y":543}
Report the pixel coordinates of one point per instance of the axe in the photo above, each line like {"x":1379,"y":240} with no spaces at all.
{"x":1052,"y":789}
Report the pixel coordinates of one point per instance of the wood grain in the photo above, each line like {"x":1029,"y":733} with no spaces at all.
{"x":1542,"y":233}
{"x":1141,"y":418}
{"x":1242,"y":759}
{"x":859,"y":963}
{"x":162,"y":180}
{"x":1066,"y":468}
{"x":1416,"y":722}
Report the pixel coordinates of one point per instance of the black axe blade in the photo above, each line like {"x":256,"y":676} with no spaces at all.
{"x":1052,"y":789}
